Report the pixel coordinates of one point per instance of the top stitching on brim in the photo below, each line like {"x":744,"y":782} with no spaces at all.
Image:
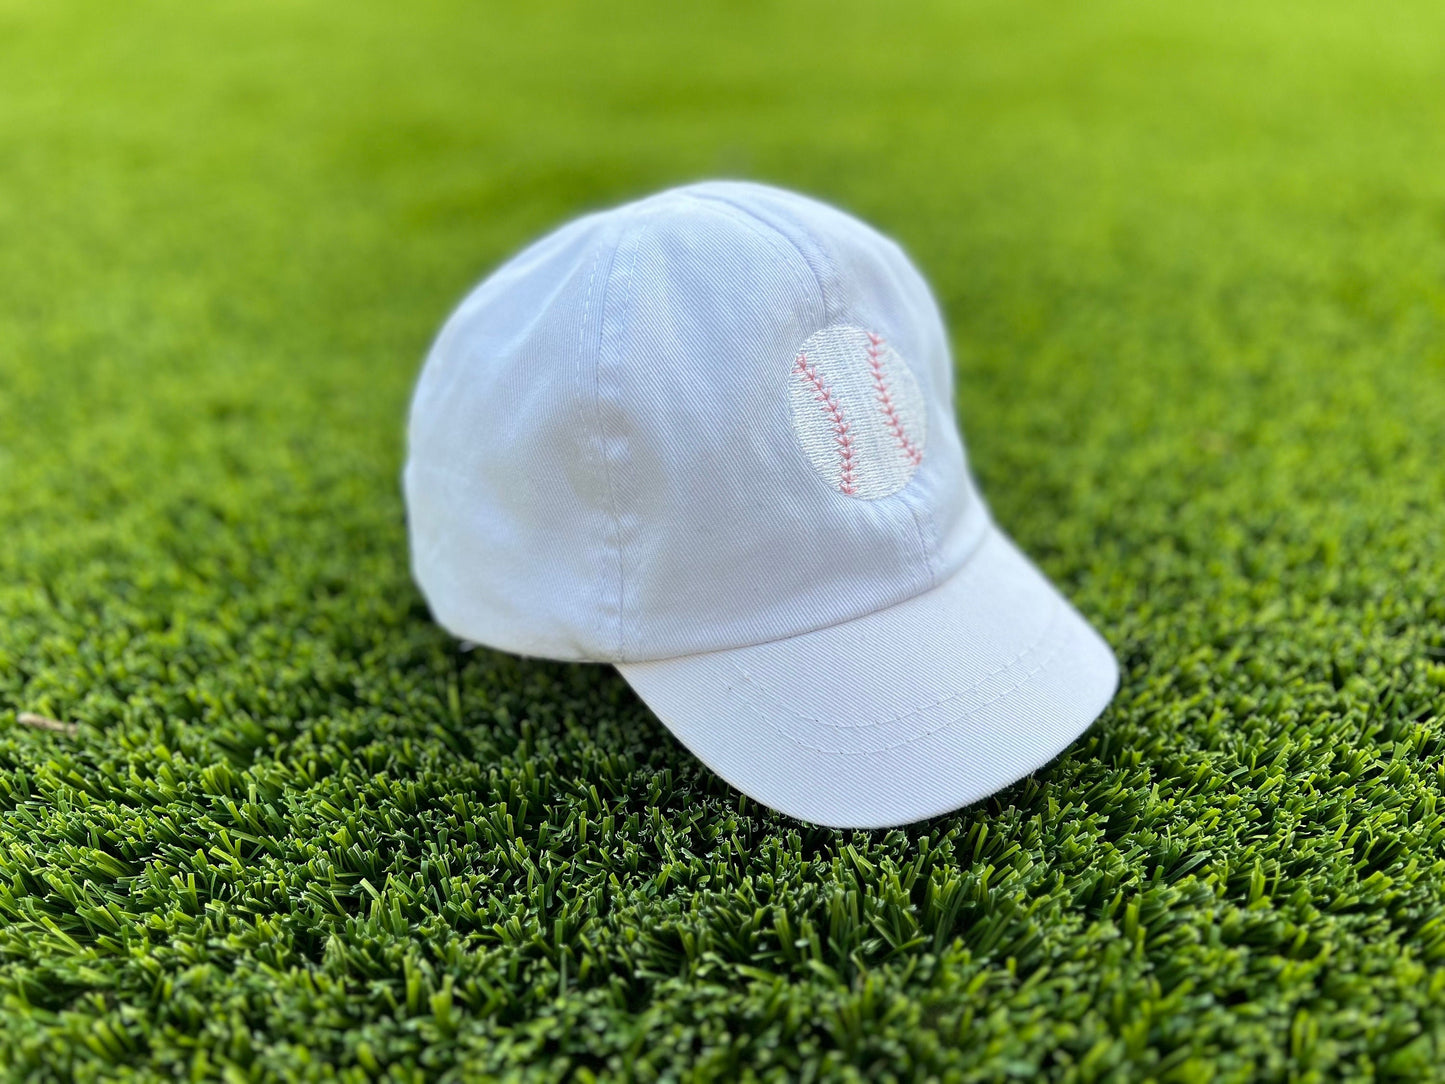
{"x":1049,"y":628}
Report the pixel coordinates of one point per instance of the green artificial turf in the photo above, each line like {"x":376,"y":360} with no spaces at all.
{"x":1193,"y":260}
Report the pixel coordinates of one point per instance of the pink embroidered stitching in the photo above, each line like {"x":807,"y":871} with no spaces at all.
{"x":841,"y":434}
{"x":885,"y":400}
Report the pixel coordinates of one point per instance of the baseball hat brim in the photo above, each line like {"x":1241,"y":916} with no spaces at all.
{"x":900,"y":715}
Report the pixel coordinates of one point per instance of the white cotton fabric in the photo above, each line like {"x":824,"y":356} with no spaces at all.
{"x":614,"y":455}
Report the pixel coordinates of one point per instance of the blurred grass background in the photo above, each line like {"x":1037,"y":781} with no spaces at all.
{"x":1193,"y":260}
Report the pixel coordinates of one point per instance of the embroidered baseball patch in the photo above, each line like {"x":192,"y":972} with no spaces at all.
{"x":857,"y":411}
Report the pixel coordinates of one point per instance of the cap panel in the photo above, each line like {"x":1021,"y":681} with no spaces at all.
{"x":506,"y":496}
{"x":728,"y":534}
{"x":858,"y":269}
{"x":868,"y":281}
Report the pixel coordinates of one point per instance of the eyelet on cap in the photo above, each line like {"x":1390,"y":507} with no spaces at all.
{"x":858,"y":411}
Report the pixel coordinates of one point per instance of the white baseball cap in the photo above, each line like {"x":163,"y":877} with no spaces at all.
{"x":709,"y":437}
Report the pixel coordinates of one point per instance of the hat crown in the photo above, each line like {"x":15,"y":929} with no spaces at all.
{"x":718,"y":416}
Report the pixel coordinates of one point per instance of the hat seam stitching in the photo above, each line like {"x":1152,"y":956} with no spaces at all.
{"x":602,"y":442}
{"x":829,"y":316}
{"x":776,"y":238}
